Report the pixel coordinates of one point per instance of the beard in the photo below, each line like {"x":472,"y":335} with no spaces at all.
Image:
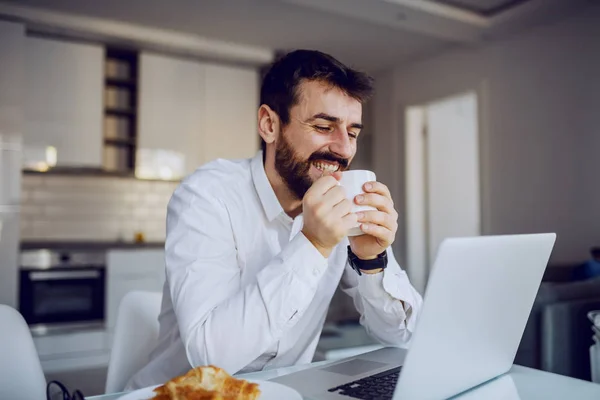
{"x":295,"y":172}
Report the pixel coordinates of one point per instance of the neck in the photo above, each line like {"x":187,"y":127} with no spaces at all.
{"x":288,"y":200}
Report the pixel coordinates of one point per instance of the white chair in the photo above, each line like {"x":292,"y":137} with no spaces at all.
{"x":21,"y":375}
{"x":595,"y":362}
{"x":136,"y":334}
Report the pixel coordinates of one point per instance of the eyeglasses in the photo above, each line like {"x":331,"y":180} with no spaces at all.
{"x":57,"y":391}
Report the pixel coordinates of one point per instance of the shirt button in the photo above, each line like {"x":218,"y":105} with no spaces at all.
{"x":315,"y":271}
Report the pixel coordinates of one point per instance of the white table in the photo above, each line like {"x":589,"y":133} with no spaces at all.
{"x":519,"y":383}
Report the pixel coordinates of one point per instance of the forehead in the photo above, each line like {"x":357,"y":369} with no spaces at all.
{"x":316,"y":97}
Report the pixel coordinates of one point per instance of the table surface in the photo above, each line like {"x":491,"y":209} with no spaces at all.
{"x":519,"y":383}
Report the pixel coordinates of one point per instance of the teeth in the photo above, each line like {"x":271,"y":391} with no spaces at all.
{"x":326,"y":167}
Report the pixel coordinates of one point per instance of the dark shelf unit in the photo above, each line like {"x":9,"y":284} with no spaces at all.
{"x":119,"y":112}
{"x":119,"y":142}
{"x":120,"y":82}
{"x":120,"y":109}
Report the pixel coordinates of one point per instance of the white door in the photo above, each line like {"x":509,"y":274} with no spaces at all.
{"x":442,"y":177}
{"x":453,"y":170}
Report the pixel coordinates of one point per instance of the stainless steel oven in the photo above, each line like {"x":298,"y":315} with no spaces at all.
{"x":62,"y":290}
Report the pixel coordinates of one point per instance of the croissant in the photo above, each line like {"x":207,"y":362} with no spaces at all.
{"x":207,"y":383}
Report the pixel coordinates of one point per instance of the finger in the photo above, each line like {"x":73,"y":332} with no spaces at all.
{"x":377,"y":187}
{"x":323,"y":184}
{"x":337,"y":175}
{"x":349,"y":221}
{"x":382,"y":234}
{"x":333,"y":197}
{"x":378,"y":218}
{"x":376,"y":200}
{"x":342,"y":209}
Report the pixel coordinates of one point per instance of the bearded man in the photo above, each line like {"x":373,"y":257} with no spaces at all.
{"x":256,"y":248}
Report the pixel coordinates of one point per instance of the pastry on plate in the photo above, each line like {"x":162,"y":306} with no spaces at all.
{"x":207,"y":383}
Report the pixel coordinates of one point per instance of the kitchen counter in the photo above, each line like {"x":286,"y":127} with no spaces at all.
{"x":92,"y":246}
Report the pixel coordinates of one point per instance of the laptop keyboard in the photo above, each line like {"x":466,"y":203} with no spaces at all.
{"x":374,"y":387}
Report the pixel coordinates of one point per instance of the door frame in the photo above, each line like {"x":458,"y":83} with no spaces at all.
{"x":482,"y":91}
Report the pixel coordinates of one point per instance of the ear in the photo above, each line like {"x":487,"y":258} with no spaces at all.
{"x":268,"y":124}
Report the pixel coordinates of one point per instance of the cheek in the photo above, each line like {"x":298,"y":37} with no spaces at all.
{"x":299,"y":142}
{"x":353,"y":143}
{"x":305,"y":150}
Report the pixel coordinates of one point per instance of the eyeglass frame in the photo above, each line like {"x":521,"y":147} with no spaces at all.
{"x":77,"y":395}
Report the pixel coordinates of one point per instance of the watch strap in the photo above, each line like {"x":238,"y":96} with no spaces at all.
{"x":367,"y":265}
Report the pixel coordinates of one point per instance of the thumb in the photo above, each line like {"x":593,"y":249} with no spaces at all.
{"x":337,"y":175}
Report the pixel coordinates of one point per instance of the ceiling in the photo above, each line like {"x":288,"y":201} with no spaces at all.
{"x":483,"y":7}
{"x":368,"y":34}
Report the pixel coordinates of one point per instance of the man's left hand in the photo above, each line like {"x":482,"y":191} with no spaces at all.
{"x":379,"y":226}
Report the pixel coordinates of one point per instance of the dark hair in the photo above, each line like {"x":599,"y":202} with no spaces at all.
{"x":280,"y":85}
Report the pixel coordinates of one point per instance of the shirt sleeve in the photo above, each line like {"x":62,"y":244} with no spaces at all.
{"x":220,"y":322}
{"x":387,"y":302}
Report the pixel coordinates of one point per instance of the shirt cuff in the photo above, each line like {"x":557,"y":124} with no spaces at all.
{"x":392,"y":281}
{"x":371,"y":285}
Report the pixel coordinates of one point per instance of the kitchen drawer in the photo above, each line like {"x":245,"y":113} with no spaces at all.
{"x":121,"y":263}
{"x":51,"y":346}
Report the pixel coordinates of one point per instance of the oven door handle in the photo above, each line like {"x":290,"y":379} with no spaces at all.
{"x":61,"y":275}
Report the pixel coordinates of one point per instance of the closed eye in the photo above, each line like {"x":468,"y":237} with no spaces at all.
{"x":324,"y":129}
{"x":329,"y":129}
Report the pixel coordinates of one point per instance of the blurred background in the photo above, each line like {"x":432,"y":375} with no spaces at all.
{"x":485,"y":121}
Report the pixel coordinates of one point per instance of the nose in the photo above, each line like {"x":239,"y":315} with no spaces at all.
{"x":341,"y":145}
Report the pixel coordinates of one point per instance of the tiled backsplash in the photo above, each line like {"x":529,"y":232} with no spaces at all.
{"x":73,"y":208}
{"x":84,"y":208}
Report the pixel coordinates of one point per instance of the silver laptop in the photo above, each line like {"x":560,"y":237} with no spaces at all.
{"x":475,"y":308}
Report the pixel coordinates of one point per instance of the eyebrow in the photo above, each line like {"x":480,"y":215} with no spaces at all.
{"x":333,"y":119}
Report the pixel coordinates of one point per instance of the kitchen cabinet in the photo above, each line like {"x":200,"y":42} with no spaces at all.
{"x":63,"y":101}
{"x":12,"y":61}
{"x":171,"y":113}
{"x":129,"y":270}
{"x":12,"y":38}
{"x":72,"y":351}
{"x":232,"y":97}
{"x":198,"y":111}
{"x":126,"y":270}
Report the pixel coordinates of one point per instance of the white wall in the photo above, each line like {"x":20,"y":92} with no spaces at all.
{"x":364,"y":155}
{"x":388,"y":152}
{"x":539,"y":101}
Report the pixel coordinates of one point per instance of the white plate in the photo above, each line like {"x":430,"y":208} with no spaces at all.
{"x":269,"y":391}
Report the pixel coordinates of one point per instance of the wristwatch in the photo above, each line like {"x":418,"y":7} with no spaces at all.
{"x":367,"y":265}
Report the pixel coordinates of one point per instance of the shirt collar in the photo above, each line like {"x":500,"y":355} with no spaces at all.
{"x":264,"y":189}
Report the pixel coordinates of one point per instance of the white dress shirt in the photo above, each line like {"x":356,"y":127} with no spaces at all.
{"x":245,"y":290}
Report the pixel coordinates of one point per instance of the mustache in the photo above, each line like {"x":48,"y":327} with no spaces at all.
{"x":343,"y":162}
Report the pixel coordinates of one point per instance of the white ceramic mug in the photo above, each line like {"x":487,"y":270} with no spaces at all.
{"x":353,"y":182}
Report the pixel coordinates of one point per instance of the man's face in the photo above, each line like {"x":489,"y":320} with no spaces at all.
{"x":321,"y":136}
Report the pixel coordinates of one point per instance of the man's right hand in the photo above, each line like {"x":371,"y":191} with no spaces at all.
{"x":327,"y":213}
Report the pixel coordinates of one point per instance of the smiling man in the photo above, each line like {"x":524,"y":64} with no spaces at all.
{"x":256,"y":248}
